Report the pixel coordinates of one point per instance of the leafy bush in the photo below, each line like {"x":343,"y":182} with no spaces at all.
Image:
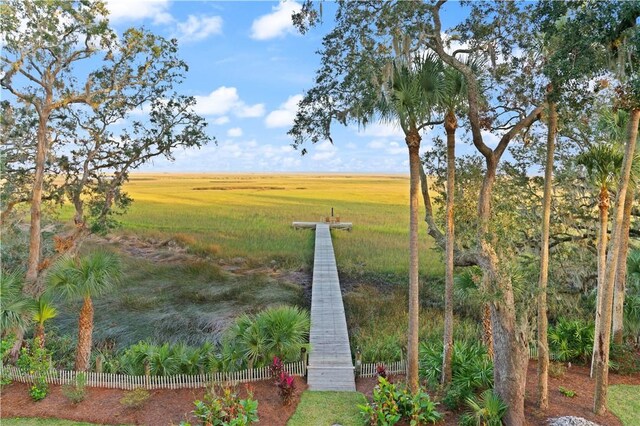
{"x":486,"y":410}
{"x":392,"y":404}
{"x":571,"y":341}
{"x":135,"y":398}
{"x":625,"y":359}
{"x":567,"y":392}
{"x":77,"y":391}
{"x":283,"y":380}
{"x":472,"y":370}
{"x":226,"y":409}
{"x":5,"y":346}
{"x":36,"y":362}
{"x":632,"y":316}
{"x":253,"y":341}
{"x":161,"y":360}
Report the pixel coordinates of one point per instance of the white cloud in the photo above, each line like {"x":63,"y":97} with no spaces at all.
{"x":324,"y":151}
{"x":284,"y":116}
{"x":224,"y":100}
{"x":126,"y":10}
{"x":220,"y":120}
{"x":197,"y":28}
{"x":256,"y":110}
{"x":388,"y":147}
{"x":234,"y":132}
{"x":277,"y":23}
{"x":490,"y":139}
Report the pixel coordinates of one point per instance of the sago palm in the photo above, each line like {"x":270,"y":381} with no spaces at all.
{"x":44,"y":311}
{"x":85,"y":277}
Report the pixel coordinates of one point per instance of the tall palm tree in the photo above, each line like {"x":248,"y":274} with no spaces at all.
{"x":602,"y":163}
{"x":85,"y":277}
{"x":408,"y":96}
{"x":454,"y":95}
{"x":43,"y":312}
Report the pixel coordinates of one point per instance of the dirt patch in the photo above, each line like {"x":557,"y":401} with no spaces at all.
{"x":576,"y":379}
{"x":165,"y":251}
{"x":164,"y":407}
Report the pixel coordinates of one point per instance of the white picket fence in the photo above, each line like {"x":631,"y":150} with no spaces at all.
{"x":371,"y":369}
{"x":178,"y":381}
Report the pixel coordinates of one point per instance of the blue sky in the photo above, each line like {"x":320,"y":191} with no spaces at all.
{"x":248,"y":67}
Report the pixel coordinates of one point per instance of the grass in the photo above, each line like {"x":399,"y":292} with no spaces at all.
{"x":190,"y":303}
{"x":624,"y":402}
{"x":251,"y":217}
{"x":328,"y":408}
{"x":383,"y":340}
{"x":248,"y":216}
{"x":18,"y":421}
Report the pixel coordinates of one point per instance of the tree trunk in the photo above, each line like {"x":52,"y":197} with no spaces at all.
{"x":510,"y":345}
{"x":39,"y":334}
{"x":487,"y":329}
{"x":621,"y":273}
{"x":510,"y":358}
{"x":450,"y":126}
{"x":14,"y":353}
{"x":604,"y":335}
{"x":543,"y":348}
{"x":413,"y":143}
{"x":603,"y":205}
{"x":85,"y":331}
{"x":31,"y":287}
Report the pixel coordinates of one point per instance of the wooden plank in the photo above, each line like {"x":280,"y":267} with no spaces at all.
{"x":330,"y":365}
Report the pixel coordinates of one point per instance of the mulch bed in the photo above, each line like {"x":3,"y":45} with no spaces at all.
{"x":576,"y":379}
{"x":164,"y":407}
{"x":169,"y":407}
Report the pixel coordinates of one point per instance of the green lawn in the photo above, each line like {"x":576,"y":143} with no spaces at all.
{"x":328,"y":408}
{"x":624,"y":402}
{"x":41,"y":422}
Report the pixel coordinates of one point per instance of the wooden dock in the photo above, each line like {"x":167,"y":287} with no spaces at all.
{"x":330,"y":365}
{"x":333,"y":225}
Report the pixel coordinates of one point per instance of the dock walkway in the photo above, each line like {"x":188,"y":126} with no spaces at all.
{"x":330,"y":365}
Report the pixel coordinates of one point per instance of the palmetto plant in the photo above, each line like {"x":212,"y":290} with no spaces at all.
{"x":15,"y":309}
{"x":485,"y":410}
{"x":83,"y":278}
{"x":43,"y":311}
{"x":633,"y":272}
{"x":280,"y":332}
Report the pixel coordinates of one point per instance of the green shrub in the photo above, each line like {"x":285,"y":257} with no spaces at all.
{"x":36,"y":362}
{"x":632,"y":316}
{"x":135,"y":398}
{"x":76,"y":392}
{"x":5,"y":346}
{"x":625,"y":359}
{"x":567,"y":392}
{"x":471,"y":368}
{"x":486,"y":410}
{"x":226,"y":409}
{"x":392,"y":404}
{"x":253,"y":341}
{"x":571,"y":341}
